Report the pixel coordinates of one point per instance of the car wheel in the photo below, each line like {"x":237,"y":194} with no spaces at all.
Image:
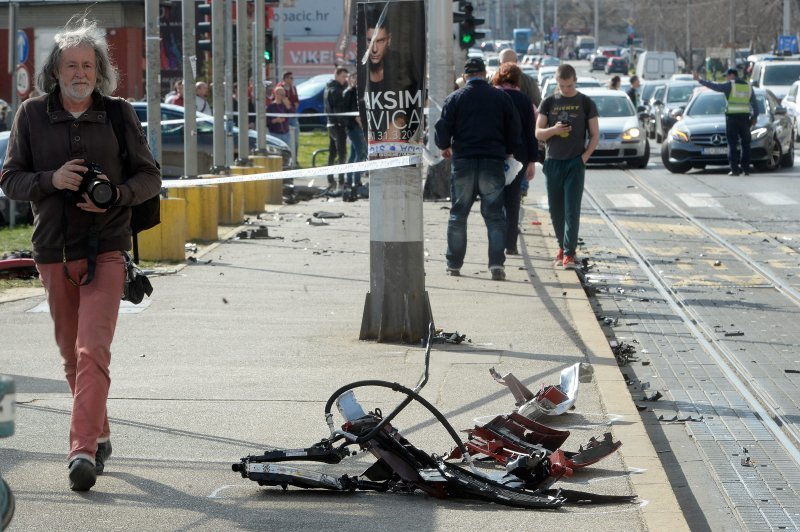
{"x":773,"y":157}
{"x":675,"y":168}
{"x":787,"y":161}
{"x":642,"y":161}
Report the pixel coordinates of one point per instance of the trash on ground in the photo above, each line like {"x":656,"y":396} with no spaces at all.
{"x":326,"y":214}
{"x":551,"y":400}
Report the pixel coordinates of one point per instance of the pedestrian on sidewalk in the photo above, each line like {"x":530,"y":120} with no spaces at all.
{"x":741,"y":114}
{"x":177,"y":97}
{"x":479,"y":129}
{"x":279,"y":125}
{"x":355,"y":132}
{"x":78,"y":246}
{"x":337,"y":125}
{"x":564,"y":120}
{"x":201,"y":98}
{"x":508,"y":78}
{"x":288,"y":85}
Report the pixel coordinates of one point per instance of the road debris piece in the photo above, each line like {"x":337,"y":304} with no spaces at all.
{"x":653,"y":397}
{"x":259,"y":232}
{"x":316,"y":221}
{"x":326,"y":214}
{"x":734,"y":333}
{"x":624,"y":353}
{"x":441,"y":337}
{"x":525,"y":482}
{"x":550,"y":400}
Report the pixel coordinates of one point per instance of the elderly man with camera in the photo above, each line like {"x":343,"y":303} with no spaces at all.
{"x":65,"y":158}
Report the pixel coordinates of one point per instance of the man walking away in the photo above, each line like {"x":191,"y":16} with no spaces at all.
{"x":479,"y":128}
{"x":527,"y":84}
{"x":337,"y":125}
{"x":633,"y":92}
{"x":563,"y":122}
{"x":740,"y":116}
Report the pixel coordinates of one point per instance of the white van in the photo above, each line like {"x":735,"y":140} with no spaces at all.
{"x":776,"y":75}
{"x":656,"y":65}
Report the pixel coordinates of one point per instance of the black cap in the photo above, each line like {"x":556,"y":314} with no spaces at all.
{"x":474,"y":65}
{"x":732,"y":71}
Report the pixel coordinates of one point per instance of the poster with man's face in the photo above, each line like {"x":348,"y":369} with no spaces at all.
{"x":391,"y":76}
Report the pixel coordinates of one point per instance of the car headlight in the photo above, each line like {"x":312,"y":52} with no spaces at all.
{"x":758,"y":133}
{"x":679,"y":135}
{"x":631,"y":134}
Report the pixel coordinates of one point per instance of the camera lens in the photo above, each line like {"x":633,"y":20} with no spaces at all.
{"x":102,"y":193}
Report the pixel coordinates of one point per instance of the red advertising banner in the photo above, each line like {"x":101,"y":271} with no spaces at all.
{"x":391,"y":76}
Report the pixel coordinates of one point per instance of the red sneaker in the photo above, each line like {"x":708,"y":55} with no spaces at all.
{"x":569,"y":262}
{"x":560,"y":256}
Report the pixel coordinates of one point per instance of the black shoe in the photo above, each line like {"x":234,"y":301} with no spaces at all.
{"x":453,"y":272}
{"x":81,"y":475}
{"x":734,"y":173}
{"x":103,"y":454}
{"x":512,"y":251}
{"x":746,"y":171}
{"x":498,"y":274}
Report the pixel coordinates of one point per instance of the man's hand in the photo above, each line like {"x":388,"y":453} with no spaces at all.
{"x":68,"y":176}
{"x":87,"y":204}
{"x":531,"y":171}
{"x":447,"y":153}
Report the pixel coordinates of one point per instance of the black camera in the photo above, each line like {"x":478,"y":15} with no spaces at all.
{"x":103,"y":193}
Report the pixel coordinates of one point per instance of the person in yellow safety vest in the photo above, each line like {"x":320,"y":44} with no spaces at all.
{"x":740,"y":116}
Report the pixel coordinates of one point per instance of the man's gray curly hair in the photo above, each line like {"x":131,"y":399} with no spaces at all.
{"x":80,"y":31}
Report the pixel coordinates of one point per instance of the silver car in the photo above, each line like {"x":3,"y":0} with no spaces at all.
{"x":621,"y":137}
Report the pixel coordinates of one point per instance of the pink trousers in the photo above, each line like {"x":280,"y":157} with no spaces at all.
{"x":85,"y":318}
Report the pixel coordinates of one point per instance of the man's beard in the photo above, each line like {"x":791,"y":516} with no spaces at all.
{"x":77,"y":91}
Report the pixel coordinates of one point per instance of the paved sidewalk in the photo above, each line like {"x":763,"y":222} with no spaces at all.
{"x":240,"y":350}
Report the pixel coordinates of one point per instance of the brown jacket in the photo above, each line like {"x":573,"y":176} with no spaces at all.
{"x":44,"y":137}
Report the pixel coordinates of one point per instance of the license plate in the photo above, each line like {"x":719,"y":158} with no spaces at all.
{"x":721,"y":150}
{"x":606,"y":146}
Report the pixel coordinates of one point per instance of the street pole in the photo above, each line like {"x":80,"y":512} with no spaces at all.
{"x":228,"y":83}
{"x":218,"y":82}
{"x":281,"y":14}
{"x":189,"y":91}
{"x":397,"y":308}
{"x":259,"y":77}
{"x":12,"y":70}
{"x":689,"y":66}
{"x":555,"y":28}
{"x":153,"y":74}
{"x":241,"y":80}
{"x":787,"y":15}
{"x":596,"y":24}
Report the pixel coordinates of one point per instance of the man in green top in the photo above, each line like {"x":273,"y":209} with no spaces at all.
{"x":740,"y":116}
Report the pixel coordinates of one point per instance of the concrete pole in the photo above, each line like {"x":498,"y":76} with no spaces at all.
{"x":218,"y":82}
{"x":229,"y":83}
{"x":259,"y":77}
{"x":397,"y":308}
{"x":281,"y":40}
{"x":12,"y":70}
{"x":242,"y":40}
{"x":153,"y":81}
{"x":189,"y":91}
{"x":689,"y":66}
{"x":787,"y":17}
{"x":596,"y":24}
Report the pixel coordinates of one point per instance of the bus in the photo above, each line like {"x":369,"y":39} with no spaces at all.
{"x":522,"y":38}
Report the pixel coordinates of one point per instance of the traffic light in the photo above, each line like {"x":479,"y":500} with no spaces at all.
{"x":269,"y":47}
{"x":203,"y":27}
{"x":466,"y":26}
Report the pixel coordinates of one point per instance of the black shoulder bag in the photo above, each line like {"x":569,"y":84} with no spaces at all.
{"x":143,"y":216}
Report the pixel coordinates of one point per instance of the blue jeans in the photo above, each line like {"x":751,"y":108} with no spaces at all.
{"x":564,"y":194}
{"x":358,"y":152}
{"x":484,"y":178}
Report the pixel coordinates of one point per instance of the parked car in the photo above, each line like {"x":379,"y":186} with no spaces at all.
{"x":792,"y":104}
{"x":608,"y":51}
{"x":667,"y":109}
{"x":172,"y":131}
{"x":616,"y":65}
{"x":621,"y":138}
{"x":311,"y":94}
{"x":699,"y":139}
{"x":582,"y":82}
{"x":598,"y":62}
{"x":658,"y":94}
{"x":681,"y":77}
{"x":22,"y":209}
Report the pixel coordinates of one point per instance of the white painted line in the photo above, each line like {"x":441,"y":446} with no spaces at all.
{"x":699,"y":199}
{"x":125,"y":307}
{"x":625,"y":201}
{"x":216,"y":492}
{"x":772,"y":198}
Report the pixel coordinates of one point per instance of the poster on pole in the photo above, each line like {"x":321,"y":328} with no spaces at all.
{"x":391,"y":76}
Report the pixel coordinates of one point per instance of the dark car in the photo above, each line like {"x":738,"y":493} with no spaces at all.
{"x":172,"y":129}
{"x":598,"y":62}
{"x":311,"y":94}
{"x":616,"y":65}
{"x":22,"y":209}
{"x":668,"y":108}
{"x":649,"y":93}
{"x":699,"y":138}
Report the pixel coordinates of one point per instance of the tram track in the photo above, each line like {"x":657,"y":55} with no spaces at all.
{"x":758,"y":399}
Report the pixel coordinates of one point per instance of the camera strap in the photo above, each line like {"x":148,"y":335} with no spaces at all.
{"x":91,"y":249}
